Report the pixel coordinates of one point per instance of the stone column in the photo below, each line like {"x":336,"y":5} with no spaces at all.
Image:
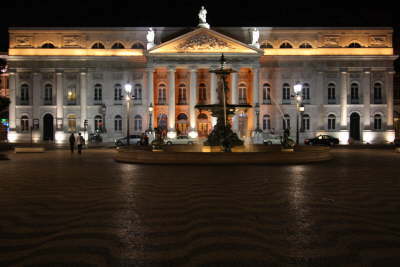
{"x":213,"y":95}
{"x":343,"y":100}
{"x":319,"y":94}
{"x":256,"y":98}
{"x":193,"y":100}
{"x":83,"y":98}
{"x":60,"y":95}
{"x":235,"y":100}
{"x":36,"y":96}
{"x":171,"y":103}
{"x":366,"y":85}
{"x":389,"y":99}
{"x":13,"y":100}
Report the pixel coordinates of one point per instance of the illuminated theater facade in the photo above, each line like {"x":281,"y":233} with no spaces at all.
{"x":61,"y":77}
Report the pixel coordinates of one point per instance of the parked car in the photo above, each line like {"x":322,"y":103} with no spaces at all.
{"x":181,"y":140}
{"x":324,"y":140}
{"x":397,"y":142}
{"x":272,"y":140}
{"x":133,"y":139}
{"x":95,"y":138}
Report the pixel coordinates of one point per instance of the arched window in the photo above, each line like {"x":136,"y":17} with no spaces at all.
{"x":48,"y":94}
{"x":48,"y":45}
{"x":354,"y":45}
{"x":354,"y":93}
{"x":266,"y":93}
{"x":98,"y":45}
{"x":117,"y":92}
{"x":306,"y":122}
{"x":71,"y":95}
{"x":331,"y":93}
{"x":137,"y":91}
{"x":202,"y":93}
{"x":162,"y":122}
{"x":266,"y":45}
{"x":162,"y":94}
{"x":305,"y":45}
{"x":378,"y":122}
{"x":286,"y":122}
{"x":286,"y":45}
{"x":182,"y":94}
{"x":306,"y":91}
{"x":71,"y":123}
{"x":242,"y":93}
{"x":118,"y":123}
{"x":24,"y":124}
{"x":266,"y":122}
{"x":137,"y":46}
{"x":138,"y":123}
{"x":286,"y":93}
{"x":98,"y":92}
{"x":202,"y":116}
{"x":24,"y":94}
{"x":331,"y":122}
{"x":98,"y":123}
{"x":118,"y":46}
{"x":182,"y":116}
{"x":377,"y":93}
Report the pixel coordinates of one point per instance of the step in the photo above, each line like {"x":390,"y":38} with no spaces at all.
{"x":29,"y":149}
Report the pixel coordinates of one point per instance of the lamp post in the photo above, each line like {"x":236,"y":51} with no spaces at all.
{"x":150,"y":117}
{"x":128,"y":90}
{"x":257,"y":108}
{"x":297,"y":91}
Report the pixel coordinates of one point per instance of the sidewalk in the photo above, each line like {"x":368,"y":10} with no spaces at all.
{"x":52,"y":146}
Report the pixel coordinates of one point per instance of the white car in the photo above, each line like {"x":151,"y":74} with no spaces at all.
{"x":181,"y":140}
{"x":272,"y":140}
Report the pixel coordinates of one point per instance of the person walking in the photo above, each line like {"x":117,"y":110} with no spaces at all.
{"x":72,"y":142}
{"x":80,"y":141}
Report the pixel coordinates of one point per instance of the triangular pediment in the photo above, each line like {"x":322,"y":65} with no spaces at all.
{"x":203,"y":40}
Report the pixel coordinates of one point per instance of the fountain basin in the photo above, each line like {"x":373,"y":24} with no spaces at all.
{"x":186,"y":154}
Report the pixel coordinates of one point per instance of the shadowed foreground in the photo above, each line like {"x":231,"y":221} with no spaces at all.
{"x":58,"y":209}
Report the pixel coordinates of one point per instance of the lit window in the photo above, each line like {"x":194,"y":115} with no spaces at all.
{"x":266,"y":122}
{"x":202,"y":93}
{"x":71,"y":123}
{"x":137,"y":91}
{"x":24,"y":124}
{"x":98,"y":123}
{"x":138,"y":123}
{"x":242,"y":94}
{"x":182,"y":94}
{"x":162,"y":94}
{"x":266,"y":93}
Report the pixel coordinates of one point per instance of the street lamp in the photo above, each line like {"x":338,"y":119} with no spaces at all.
{"x":297,"y":91}
{"x":257,"y":108}
{"x":150,"y":117}
{"x":128,"y":90}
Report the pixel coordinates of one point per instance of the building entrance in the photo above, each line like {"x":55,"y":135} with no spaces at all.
{"x":48,"y":128}
{"x":355,"y":126}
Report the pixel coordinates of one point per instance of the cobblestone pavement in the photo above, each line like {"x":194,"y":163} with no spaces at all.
{"x":63,"y":210}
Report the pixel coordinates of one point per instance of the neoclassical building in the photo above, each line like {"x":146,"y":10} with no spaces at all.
{"x":61,"y":77}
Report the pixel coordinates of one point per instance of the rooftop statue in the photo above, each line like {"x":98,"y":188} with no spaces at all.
{"x":150,"y":38}
{"x":255,"y":35}
{"x":203,"y":18}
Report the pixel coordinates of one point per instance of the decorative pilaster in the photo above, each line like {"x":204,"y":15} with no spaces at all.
{"x":83,"y":88}
{"x":193,"y":100}
{"x":171,"y":103}
{"x":150,"y":90}
{"x":60,"y":95}
{"x":343,"y":100}
{"x":319,"y":94}
{"x":389,"y":99}
{"x":13,"y":99}
{"x":366,"y":85}
{"x":36,"y":93}
{"x":256,"y":90}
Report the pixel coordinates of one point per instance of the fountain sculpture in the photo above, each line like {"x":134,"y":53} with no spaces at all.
{"x":222,"y":134}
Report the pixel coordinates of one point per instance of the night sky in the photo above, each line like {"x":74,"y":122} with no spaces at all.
{"x":51,"y":13}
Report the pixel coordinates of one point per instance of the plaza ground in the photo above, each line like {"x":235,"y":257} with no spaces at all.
{"x":59,"y":209}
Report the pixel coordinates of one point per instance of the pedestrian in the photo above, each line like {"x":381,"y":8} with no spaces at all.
{"x":72,"y":142}
{"x":145,"y":140}
{"x":80,"y":141}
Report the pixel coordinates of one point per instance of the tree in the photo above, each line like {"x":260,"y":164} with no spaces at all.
{"x":4,"y":102}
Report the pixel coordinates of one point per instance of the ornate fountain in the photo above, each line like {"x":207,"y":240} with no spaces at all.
{"x":222,"y":134}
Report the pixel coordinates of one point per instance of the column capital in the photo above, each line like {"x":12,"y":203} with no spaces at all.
{"x":171,"y":68}
{"x":367,"y":71}
{"x":343,"y":70}
{"x":83,"y":73}
{"x":193,"y":68}
{"x":391,"y":71}
{"x":150,"y":69}
{"x":59,"y":73}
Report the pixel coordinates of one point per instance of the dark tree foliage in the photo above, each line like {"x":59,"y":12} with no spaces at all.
{"x":4,"y":102}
